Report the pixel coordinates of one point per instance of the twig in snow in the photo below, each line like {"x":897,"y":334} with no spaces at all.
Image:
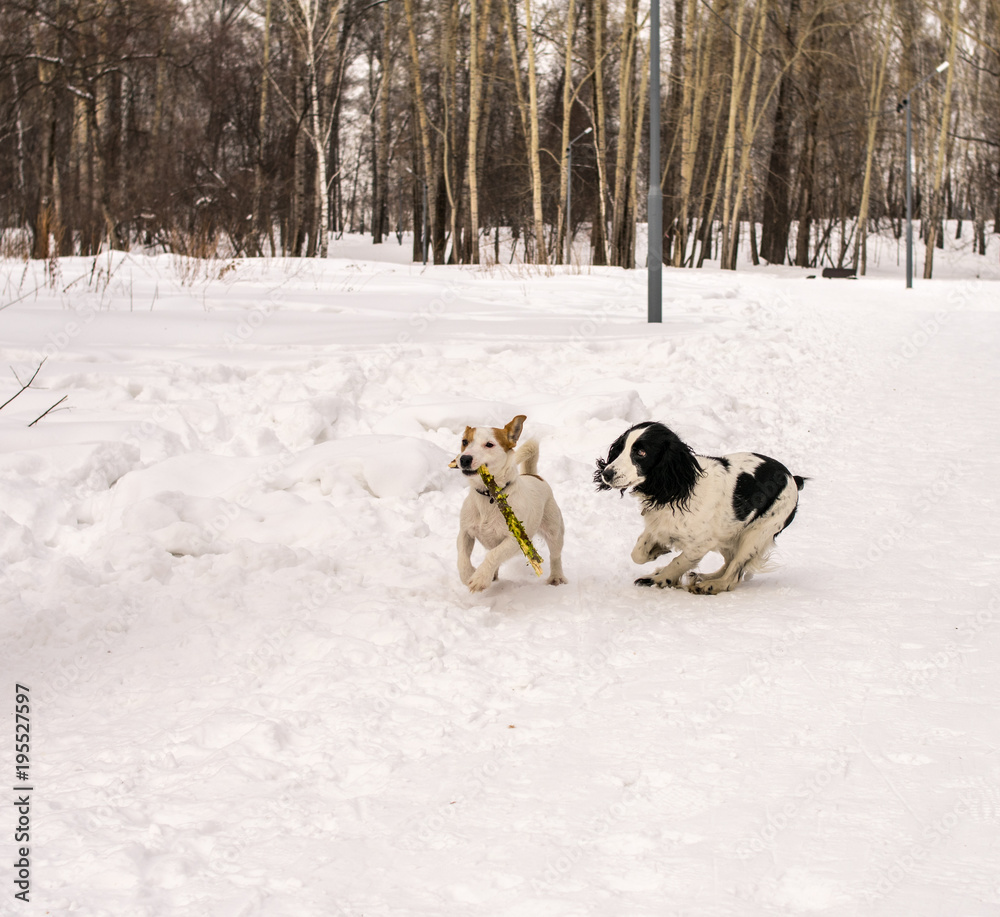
{"x":40,"y":416}
{"x":25,"y":386}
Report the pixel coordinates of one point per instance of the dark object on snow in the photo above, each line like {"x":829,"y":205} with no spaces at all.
{"x":844,"y":273}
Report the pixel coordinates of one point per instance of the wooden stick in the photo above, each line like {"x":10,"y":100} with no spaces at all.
{"x":513,"y":523}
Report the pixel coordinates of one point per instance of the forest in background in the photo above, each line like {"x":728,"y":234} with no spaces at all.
{"x":262,"y":127}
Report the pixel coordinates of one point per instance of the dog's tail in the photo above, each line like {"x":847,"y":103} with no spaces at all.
{"x":761,"y":561}
{"x":527,"y":456}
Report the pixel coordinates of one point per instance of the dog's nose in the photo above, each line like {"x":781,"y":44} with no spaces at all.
{"x":608,"y":474}
{"x":465,"y":461}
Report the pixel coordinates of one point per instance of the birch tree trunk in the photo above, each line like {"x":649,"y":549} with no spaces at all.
{"x":529,"y":120}
{"x":673,"y":232}
{"x":446,"y":68}
{"x":19,"y":129}
{"x":262,"y":121}
{"x":475,"y":93}
{"x":749,"y":131}
{"x":874,"y":107}
{"x":568,"y":98}
{"x":626,"y":130}
{"x":315,"y":24}
{"x":541,"y":255}
{"x":296,"y":217}
{"x":807,"y":167}
{"x":488,"y":95}
{"x":735,"y":98}
{"x":639,"y":118}
{"x":421,"y":107}
{"x":937,"y":208}
{"x":777,"y":215}
{"x":46,"y":213}
{"x":380,"y":208}
{"x":695,"y":89}
{"x":714,"y":168}
{"x":319,"y":147}
{"x":596,"y":25}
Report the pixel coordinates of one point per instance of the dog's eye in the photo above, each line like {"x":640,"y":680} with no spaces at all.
{"x":489,"y":445}
{"x":465,"y":443}
{"x":641,"y":453}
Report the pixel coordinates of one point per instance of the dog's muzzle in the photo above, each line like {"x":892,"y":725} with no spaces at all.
{"x":465,"y":463}
{"x":605,"y":477}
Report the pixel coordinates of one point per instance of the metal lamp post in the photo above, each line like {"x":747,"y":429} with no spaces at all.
{"x":905,"y":104}
{"x":654,"y":201}
{"x":569,"y":190}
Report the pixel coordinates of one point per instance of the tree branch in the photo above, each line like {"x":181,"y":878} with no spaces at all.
{"x":25,"y":386}
{"x":40,"y":416}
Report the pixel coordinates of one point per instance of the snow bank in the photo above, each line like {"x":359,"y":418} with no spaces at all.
{"x":258,"y":686}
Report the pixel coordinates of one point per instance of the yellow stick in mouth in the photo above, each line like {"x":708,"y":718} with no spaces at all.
{"x":513,"y":523}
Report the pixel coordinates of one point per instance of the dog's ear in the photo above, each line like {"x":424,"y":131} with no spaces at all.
{"x":513,"y":429}
{"x":672,"y":478}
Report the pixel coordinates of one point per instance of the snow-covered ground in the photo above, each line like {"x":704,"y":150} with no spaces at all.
{"x":258,"y":686}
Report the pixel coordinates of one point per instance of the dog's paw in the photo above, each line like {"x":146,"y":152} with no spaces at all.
{"x":556,"y":580}
{"x":698,"y":586}
{"x":654,"y":581}
{"x":480,"y":580}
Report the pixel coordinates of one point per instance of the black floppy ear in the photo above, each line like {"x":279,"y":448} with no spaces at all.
{"x":671,"y":479}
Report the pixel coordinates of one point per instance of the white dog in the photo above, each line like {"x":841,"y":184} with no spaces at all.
{"x":527,"y":494}
{"x":694,"y":504}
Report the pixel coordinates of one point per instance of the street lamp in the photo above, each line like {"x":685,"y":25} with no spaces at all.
{"x":940,"y":68}
{"x":654,"y":201}
{"x":569,"y":190}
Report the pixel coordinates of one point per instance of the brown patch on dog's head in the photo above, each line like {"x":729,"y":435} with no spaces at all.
{"x":467,"y":438}
{"x":508,"y":436}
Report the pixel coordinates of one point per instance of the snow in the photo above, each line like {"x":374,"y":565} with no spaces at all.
{"x":259,"y":688}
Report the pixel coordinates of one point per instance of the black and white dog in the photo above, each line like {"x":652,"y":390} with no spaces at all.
{"x":694,"y":504}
